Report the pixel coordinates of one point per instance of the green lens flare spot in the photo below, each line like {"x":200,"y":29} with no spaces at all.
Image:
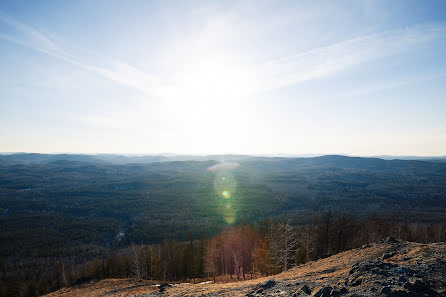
{"x":225,"y":184}
{"x":229,"y":214}
{"x":230,"y":219}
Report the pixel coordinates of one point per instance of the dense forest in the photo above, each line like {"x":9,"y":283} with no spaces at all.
{"x":238,"y":252}
{"x":65,"y":220}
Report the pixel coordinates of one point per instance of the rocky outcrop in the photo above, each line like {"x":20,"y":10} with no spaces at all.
{"x":388,"y":268}
{"x":402,"y":269}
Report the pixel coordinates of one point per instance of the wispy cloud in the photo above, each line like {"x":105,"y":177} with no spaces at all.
{"x":328,"y":60}
{"x":115,"y":70}
{"x":29,"y":36}
{"x":391,"y":85}
{"x":313,"y":64}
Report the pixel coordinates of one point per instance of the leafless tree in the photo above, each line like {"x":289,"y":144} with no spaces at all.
{"x":307,"y":239}
{"x":135,"y":261}
{"x":212,"y":257}
{"x":285,"y":243}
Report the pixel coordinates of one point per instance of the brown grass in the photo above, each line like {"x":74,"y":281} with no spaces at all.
{"x":332,"y":270}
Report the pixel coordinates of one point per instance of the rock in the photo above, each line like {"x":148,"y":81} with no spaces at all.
{"x":391,"y":239}
{"x":337,"y":293}
{"x":365,"y":246}
{"x":402,"y":293}
{"x":323,"y":292}
{"x":268,"y":284}
{"x":419,"y":287}
{"x":356,"y":282}
{"x":404,"y":270}
{"x":255,"y":292}
{"x":304,"y":291}
{"x":386,"y":290}
{"x":261,"y":287}
{"x":162,"y":287}
{"x":387,"y":256}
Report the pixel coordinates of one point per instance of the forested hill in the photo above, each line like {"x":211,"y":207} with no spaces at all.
{"x":71,"y":209}
{"x":64,"y":202}
{"x":34,"y":158}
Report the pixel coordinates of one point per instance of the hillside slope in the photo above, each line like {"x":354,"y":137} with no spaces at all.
{"x":91,"y":203}
{"x":388,"y":268}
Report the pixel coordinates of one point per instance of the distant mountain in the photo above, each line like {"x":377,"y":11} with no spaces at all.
{"x":304,"y":160}
{"x":33,"y":158}
{"x":423,"y":158}
{"x":121,"y":159}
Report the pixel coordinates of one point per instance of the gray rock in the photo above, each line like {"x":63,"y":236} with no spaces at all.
{"x":268,"y":284}
{"x":387,"y":256}
{"x":162,"y":287}
{"x":391,"y":239}
{"x":386,"y":290}
{"x":323,"y":292}
{"x":304,"y":291}
{"x":260,"y":288}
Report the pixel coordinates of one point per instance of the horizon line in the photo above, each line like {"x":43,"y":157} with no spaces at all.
{"x":284,"y":155}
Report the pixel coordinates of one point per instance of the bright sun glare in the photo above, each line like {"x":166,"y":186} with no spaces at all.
{"x":209,"y":99}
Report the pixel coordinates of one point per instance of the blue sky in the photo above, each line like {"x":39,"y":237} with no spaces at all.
{"x":202,"y":77}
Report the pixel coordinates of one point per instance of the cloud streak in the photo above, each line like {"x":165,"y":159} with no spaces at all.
{"x":313,"y":64}
{"x":117,"y":71}
{"x":391,"y":85}
{"x":328,"y":60}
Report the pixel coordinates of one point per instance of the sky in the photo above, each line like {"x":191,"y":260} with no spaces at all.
{"x":216,"y":77}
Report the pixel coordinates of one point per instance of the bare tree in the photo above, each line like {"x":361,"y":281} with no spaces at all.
{"x":135,"y":261}
{"x":285,"y":243}
{"x":232,"y":252}
{"x":307,"y":238}
{"x":212,"y":258}
{"x":64,"y":275}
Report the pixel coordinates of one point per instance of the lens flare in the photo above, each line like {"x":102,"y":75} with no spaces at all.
{"x":225,"y":184}
{"x":225,"y":187}
{"x":229,"y":214}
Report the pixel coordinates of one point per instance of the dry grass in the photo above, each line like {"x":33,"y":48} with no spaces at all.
{"x":108,"y":287}
{"x":332,"y":270}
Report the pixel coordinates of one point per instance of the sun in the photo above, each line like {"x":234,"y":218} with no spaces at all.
{"x":209,"y":98}
{"x":212,"y":78}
